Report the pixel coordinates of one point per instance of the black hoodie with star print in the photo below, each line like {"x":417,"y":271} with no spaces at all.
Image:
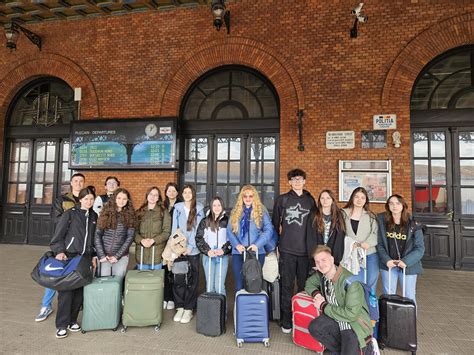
{"x":290,"y":216}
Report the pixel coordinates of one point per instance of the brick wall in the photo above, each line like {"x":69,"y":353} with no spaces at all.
{"x":140,"y":65}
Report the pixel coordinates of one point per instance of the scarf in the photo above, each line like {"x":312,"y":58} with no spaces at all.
{"x":245,"y":221}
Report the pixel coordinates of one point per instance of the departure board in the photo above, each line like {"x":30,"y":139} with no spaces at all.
{"x":123,"y":144}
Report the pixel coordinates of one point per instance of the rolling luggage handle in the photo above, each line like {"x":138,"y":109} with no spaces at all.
{"x":208,"y":289}
{"x":152,"y":258}
{"x":403,"y":281}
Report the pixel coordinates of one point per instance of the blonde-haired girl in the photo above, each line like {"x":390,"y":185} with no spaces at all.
{"x":250,"y":228}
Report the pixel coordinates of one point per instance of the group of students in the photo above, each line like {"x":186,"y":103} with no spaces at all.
{"x":357,"y":240}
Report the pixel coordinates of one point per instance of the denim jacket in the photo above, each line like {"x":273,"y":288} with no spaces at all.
{"x":180,"y":221}
{"x":258,"y":236}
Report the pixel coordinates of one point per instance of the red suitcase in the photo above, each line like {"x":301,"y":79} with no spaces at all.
{"x":303,"y":313}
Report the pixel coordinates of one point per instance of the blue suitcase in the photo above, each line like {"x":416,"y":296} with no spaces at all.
{"x":251,"y":318}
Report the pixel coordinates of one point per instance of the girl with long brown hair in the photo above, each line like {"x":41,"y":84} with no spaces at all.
{"x":250,"y":229}
{"x":327,"y":226}
{"x":400,"y":246}
{"x":114,"y":234}
{"x":186,"y":218}
{"x":362,"y":229}
{"x":154,"y":228}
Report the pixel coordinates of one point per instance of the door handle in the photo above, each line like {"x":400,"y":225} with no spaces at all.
{"x":468,"y":228}
{"x":438,"y":226}
{"x":450,"y":215}
{"x":40,"y":213}
{"x":14,"y":212}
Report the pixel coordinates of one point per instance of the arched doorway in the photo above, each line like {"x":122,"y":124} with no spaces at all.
{"x":442,"y":128}
{"x":229,"y":137}
{"x":36,"y":159}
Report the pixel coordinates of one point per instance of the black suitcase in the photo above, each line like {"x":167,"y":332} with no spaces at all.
{"x":273,"y":291}
{"x":211,"y":311}
{"x":397,"y":324}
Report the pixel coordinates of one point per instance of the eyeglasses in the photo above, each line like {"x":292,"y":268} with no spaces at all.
{"x":297,"y":179}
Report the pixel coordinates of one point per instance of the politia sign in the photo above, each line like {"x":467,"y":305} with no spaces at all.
{"x":385,"y":121}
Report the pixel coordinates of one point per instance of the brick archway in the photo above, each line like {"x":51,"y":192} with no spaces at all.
{"x":46,"y":64}
{"x":435,"y":40}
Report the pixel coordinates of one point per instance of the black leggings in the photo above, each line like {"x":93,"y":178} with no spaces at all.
{"x":186,"y":296}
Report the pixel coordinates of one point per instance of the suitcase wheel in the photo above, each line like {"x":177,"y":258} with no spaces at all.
{"x":239,"y":344}
{"x":266,"y":343}
{"x":123,"y":330}
{"x":115,"y":329}
{"x":157,"y":328}
{"x":83,"y":331}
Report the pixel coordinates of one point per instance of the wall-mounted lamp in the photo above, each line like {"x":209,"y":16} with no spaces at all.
{"x":220,"y":14}
{"x":12,"y":31}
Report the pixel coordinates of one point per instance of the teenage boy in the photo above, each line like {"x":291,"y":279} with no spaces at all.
{"x":344,"y":325}
{"x":111,"y":184}
{"x":61,"y":204}
{"x":290,"y":216}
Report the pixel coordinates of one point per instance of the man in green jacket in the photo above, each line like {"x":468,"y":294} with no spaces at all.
{"x":344,"y":325}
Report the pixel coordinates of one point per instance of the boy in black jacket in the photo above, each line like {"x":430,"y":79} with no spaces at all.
{"x":290,"y":216}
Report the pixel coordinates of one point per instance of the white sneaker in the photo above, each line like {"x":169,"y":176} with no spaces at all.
{"x":165,"y":304}
{"x":170,"y":305}
{"x":187,"y":316}
{"x":179,"y":315}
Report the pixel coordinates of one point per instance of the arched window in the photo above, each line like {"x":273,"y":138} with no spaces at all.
{"x":231,"y":93}
{"x":447,"y":82}
{"x":44,"y":102}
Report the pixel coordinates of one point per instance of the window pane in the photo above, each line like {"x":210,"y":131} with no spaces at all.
{"x":201,"y":194}
{"x":420,"y":144}
{"x":422,"y":199}
{"x":201,"y":172}
{"x":24,"y":151}
{"x":268,"y":196}
{"x":467,"y":172}
{"x":438,"y":144}
{"x":269,"y":148}
{"x":439,"y":202}
{"x":65,"y":173}
{"x":15,"y":153}
{"x":49,"y":176}
{"x":40,"y":151}
{"x":11,"y":193}
{"x":65,"y":189}
{"x":202,"y":149}
{"x":235,"y":149}
{"x":222,"y":149}
{"x":467,"y":200}
{"x":466,"y":101}
{"x":13,"y":172}
{"x":466,"y":144}
{"x":51,"y":152}
{"x":234,"y":172}
{"x":269,"y":173}
{"x":189,"y":169}
{"x":65,"y":151}
{"x":438,"y":172}
{"x":222,"y":172}
{"x":21,"y":193}
{"x":256,"y":148}
{"x":23,"y":172}
{"x":421,"y":172}
{"x":230,"y":112}
{"x":255,"y":172}
{"x":39,"y":172}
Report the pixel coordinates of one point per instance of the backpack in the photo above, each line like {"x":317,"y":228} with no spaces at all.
{"x":181,"y":271}
{"x":370,"y":298}
{"x":252,"y":274}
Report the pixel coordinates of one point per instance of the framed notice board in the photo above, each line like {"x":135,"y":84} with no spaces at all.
{"x":123,"y":144}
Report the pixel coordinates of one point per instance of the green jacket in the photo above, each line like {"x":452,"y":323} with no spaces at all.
{"x":352,"y":305}
{"x":153,"y":225}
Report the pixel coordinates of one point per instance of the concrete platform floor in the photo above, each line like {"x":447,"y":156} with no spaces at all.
{"x":445,"y":320}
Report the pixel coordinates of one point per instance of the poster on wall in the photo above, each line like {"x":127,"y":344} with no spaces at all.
{"x":123,"y":144}
{"x":377,"y":181}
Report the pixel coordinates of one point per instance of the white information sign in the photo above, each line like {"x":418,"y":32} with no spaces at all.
{"x":340,"y":140}
{"x":385,"y":121}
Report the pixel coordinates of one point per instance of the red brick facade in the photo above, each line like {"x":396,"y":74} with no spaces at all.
{"x":141,"y":65}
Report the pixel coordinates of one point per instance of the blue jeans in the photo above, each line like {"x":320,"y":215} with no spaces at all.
{"x":373,"y":268}
{"x":48,"y":296}
{"x":397,"y":274}
{"x":213,"y":282}
{"x":237,"y":263}
{"x":149,"y":267}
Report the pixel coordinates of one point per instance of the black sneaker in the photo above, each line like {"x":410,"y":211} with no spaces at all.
{"x":74,"y":327}
{"x":61,"y":333}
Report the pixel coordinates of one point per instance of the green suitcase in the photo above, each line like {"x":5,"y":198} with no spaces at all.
{"x":143,"y":298}
{"x":102,"y":304}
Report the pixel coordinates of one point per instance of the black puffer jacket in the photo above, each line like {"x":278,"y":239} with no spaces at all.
{"x":206,"y":239}
{"x":113,"y":242}
{"x":71,"y":235}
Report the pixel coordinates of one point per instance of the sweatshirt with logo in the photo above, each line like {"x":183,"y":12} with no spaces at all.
{"x":291,"y":212}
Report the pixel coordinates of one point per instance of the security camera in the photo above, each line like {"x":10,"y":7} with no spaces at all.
{"x":356,"y":10}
